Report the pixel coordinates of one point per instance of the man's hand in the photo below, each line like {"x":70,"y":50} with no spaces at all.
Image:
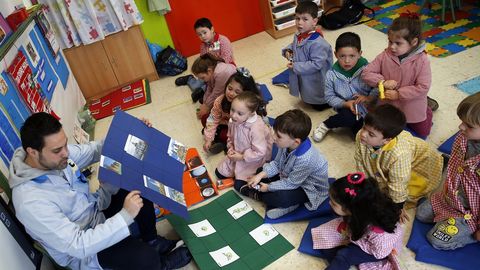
{"x":133,"y":203}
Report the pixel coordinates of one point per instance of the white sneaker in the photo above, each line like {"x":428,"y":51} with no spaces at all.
{"x":320,"y":132}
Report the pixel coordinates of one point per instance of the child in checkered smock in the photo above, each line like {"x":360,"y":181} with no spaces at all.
{"x":367,"y":233}
{"x":456,"y":208}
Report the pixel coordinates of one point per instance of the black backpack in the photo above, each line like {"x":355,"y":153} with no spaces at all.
{"x":170,"y":62}
{"x":349,"y":13}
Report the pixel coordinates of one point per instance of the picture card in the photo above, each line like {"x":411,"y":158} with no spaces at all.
{"x":264,"y":233}
{"x":175,"y":195}
{"x":239,"y":209}
{"x":111,"y":164}
{"x":135,"y":147}
{"x":154,"y":185}
{"x":177,"y":150}
{"x":224,"y":256}
{"x":202,"y":228}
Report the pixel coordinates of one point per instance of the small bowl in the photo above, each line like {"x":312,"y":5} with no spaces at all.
{"x":199,"y":171}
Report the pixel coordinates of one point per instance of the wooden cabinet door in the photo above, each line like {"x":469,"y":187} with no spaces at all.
{"x":129,"y":56}
{"x":92,"y":70}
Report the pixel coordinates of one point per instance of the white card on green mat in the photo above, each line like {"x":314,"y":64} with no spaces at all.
{"x":263,"y":233}
{"x":202,"y":228}
{"x":239,"y":209}
{"x":224,"y":256}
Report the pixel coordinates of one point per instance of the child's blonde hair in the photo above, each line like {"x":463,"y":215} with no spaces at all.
{"x":469,"y":110}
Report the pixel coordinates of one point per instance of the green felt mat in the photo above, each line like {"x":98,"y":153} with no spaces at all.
{"x":229,"y":232}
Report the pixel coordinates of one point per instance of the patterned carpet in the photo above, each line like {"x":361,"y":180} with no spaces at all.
{"x":443,"y":39}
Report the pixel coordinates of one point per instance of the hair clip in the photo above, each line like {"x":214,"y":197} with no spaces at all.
{"x":356,"y":178}
{"x":351,"y":191}
{"x":244,"y":71}
{"x":411,"y":15}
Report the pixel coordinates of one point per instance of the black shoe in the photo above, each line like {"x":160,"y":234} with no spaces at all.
{"x":163,"y":245}
{"x":177,"y":258}
{"x":432,"y":103}
{"x":216,"y":148}
{"x":320,"y":107}
{"x":183,"y":80}
{"x":197,"y":94}
{"x":250,"y":192}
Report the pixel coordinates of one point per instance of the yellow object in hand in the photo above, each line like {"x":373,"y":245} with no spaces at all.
{"x":381,"y":90}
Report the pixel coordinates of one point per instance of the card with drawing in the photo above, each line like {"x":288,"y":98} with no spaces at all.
{"x":224,"y":256}
{"x":135,"y":146}
{"x":239,"y":209}
{"x":202,"y":228}
{"x":264,"y":233}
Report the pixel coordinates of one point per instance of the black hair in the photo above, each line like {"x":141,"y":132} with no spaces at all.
{"x":348,"y":39}
{"x":205,"y":61}
{"x":367,"y":205}
{"x":387,"y":119}
{"x":295,"y":123}
{"x":36,"y":128}
{"x":203,"y":22}
{"x":248,"y":85}
{"x":308,"y":7}
{"x":408,"y":27}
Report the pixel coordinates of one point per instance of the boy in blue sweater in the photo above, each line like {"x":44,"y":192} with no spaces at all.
{"x":299,"y":173}
{"x":344,"y":89}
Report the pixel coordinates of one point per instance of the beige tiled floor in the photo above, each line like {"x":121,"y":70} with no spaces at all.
{"x":172,"y":112}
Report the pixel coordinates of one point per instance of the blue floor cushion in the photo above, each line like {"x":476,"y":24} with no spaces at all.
{"x":446,"y":147}
{"x":306,"y":245}
{"x":281,"y":79}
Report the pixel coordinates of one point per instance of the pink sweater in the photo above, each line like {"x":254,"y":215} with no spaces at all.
{"x":217,"y":117}
{"x":216,"y":85}
{"x":220,"y":47}
{"x":413,"y":75}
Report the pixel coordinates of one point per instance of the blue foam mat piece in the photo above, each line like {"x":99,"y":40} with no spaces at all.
{"x":446,"y":147}
{"x":302,"y":213}
{"x":462,"y":258}
{"x":306,"y":245}
{"x":281,"y":78}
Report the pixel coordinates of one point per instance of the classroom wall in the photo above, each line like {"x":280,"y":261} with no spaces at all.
{"x":154,"y":27}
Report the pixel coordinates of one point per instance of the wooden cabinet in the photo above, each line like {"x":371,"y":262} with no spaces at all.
{"x":279,"y":15}
{"x":104,"y":66}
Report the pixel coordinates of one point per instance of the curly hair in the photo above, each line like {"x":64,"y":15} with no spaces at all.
{"x":367,"y":205}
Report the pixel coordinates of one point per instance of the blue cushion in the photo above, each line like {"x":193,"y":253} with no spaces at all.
{"x":462,"y":258}
{"x":446,"y":147}
{"x":302,"y":213}
{"x":266,"y":95}
{"x":281,"y":78}
{"x":306,"y":245}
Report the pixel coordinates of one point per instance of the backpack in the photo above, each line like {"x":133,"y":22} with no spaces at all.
{"x":349,"y":13}
{"x":170,"y":62}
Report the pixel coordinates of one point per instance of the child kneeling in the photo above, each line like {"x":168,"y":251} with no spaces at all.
{"x":299,"y":173}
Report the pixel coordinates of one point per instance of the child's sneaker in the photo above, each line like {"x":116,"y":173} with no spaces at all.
{"x":320,"y":132}
{"x":275,"y":213}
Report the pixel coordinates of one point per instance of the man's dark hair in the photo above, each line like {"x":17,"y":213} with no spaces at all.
{"x":348,"y":39}
{"x":294,"y":123}
{"x":36,"y":128}
{"x":203,"y":22}
{"x":307,"y":7}
{"x":387,"y":119}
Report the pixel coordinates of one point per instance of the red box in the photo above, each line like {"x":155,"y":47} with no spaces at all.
{"x":16,"y":18}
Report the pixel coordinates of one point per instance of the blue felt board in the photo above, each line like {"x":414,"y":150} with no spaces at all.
{"x":462,"y":258}
{"x":446,"y":147}
{"x":302,"y":213}
{"x":306,"y":245}
{"x":156,"y":162}
{"x":281,"y":78}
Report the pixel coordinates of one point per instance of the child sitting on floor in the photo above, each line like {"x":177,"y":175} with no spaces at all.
{"x":367,"y":233}
{"x":345,"y":91}
{"x":299,"y":173}
{"x":215,"y":126}
{"x":456,"y":209}
{"x":249,"y":141}
{"x":404,"y":166}
{"x":215,"y":73}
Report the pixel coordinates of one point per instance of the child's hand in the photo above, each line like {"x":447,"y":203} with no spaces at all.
{"x":289,"y":55}
{"x":203,"y":110}
{"x":263,"y":187}
{"x":390,"y":84}
{"x":290,"y":65}
{"x":477,"y":235}
{"x":350,"y":105}
{"x":404,"y":217}
{"x":146,"y":121}
{"x":206,"y":146}
{"x":391,"y":94}
{"x":359,"y":99}
{"x":254,"y":180}
{"x":235,"y":156}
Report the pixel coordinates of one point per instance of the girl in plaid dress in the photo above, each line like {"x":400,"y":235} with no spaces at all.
{"x":367,"y":233}
{"x":456,"y":209}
